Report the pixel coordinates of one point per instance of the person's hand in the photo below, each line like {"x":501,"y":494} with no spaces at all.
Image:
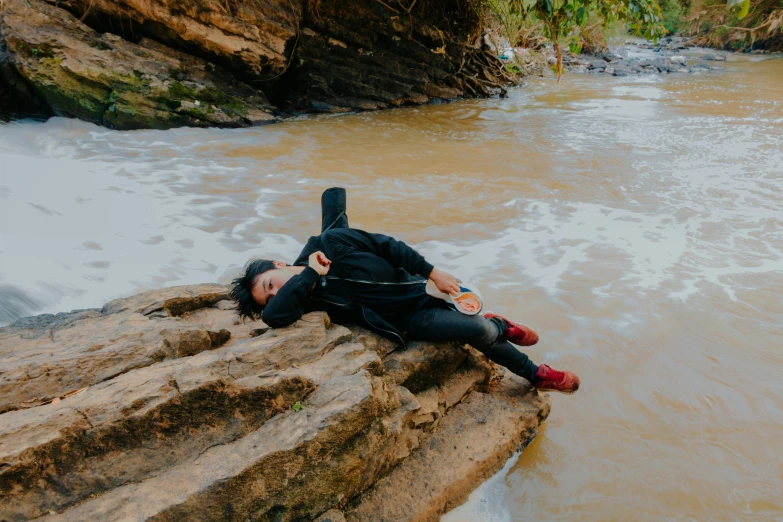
{"x":319,"y":262}
{"x":444,"y":282}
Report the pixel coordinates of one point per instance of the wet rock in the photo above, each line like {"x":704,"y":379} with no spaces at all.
{"x":617,"y":65}
{"x":289,"y":424}
{"x":597,"y":65}
{"x":665,"y":62}
{"x":104,"y":79}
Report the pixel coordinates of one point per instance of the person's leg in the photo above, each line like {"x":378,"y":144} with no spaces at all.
{"x":486,"y":335}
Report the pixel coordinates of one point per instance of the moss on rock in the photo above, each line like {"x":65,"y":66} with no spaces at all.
{"x":106,"y":80}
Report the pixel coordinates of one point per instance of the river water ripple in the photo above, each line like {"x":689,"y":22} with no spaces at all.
{"x":636,"y":223}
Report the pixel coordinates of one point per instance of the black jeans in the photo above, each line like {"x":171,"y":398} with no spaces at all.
{"x":486,"y":335}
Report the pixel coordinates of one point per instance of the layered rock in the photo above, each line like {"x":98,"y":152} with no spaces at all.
{"x":102,"y":78}
{"x":286,"y":424}
{"x":49,"y":356}
{"x":165,"y":63}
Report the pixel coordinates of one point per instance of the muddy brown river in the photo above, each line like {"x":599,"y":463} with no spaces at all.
{"x":636,"y":223}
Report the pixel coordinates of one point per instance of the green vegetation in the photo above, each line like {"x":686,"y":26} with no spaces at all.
{"x":589,"y":25}
{"x":737,"y":24}
{"x":673,"y":13}
{"x":573,"y":23}
{"x":42,"y":50}
{"x":229,"y":104}
{"x":297,"y":407}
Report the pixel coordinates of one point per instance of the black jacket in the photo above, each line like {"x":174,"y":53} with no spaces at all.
{"x":374,"y":280}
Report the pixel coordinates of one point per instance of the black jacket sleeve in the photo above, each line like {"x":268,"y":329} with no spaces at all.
{"x":401,"y":255}
{"x":288,"y":305}
{"x":397,"y":253}
{"x":333,"y":209}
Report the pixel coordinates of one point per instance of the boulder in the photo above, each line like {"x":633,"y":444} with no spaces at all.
{"x":281,"y":424}
{"x":105,"y":79}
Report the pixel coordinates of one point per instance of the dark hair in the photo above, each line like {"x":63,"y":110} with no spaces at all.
{"x":242,"y":293}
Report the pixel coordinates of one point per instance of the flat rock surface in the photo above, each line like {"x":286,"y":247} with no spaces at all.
{"x":51,"y":356}
{"x":247,"y":423}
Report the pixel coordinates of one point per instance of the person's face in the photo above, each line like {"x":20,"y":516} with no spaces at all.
{"x":266,"y":285}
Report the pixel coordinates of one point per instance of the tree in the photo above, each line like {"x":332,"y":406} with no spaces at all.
{"x":563,"y":18}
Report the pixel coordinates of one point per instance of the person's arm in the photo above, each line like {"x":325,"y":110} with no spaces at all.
{"x":288,"y":305}
{"x":333,"y":209}
{"x":399,"y":254}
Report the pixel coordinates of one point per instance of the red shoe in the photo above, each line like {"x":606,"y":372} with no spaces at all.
{"x":516,"y":333}
{"x":549,"y":379}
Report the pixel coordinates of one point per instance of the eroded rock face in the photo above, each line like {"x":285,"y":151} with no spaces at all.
{"x":252,"y":37}
{"x":166,"y":63}
{"x":107,"y":80}
{"x":51,"y":356}
{"x":292,"y":424}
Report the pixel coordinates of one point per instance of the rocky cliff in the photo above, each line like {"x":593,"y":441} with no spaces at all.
{"x":162,"y":406}
{"x":164,"y":63}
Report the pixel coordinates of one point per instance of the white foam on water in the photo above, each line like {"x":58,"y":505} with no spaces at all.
{"x":552,"y":240}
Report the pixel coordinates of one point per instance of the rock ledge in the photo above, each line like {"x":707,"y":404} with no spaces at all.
{"x":162,"y":407}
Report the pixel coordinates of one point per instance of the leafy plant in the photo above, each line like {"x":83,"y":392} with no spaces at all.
{"x":518,"y":29}
{"x":736,"y":23}
{"x":563,"y":19}
{"x":740,"y":7}
{"x":672,"y":15}
{"x":297,"y":407}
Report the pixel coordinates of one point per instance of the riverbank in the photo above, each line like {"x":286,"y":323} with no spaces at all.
{"x":139,"y":64}
{"x":162,"y":406}
{"x":671,"y":55}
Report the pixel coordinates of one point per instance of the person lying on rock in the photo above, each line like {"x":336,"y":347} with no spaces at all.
{"x":378,"y":282}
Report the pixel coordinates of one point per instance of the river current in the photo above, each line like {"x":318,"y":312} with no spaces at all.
{"x":636,"y":223}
